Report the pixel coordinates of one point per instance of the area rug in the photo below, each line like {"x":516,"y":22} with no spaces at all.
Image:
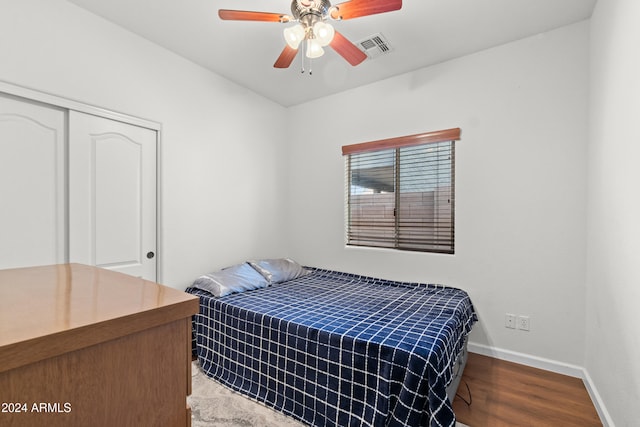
{"x":214,"y":405}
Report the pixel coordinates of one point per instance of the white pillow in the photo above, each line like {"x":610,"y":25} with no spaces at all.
{"x":279,"y":270}
{"x":239,"y":278}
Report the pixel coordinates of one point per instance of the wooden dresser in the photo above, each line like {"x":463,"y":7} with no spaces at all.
{"x":84,"y":346}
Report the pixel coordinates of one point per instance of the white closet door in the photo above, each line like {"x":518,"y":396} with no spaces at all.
{"x":112,"y":195}
{"x":32,"y":184}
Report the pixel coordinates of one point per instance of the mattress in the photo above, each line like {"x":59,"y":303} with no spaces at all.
{"x":338,"y":349}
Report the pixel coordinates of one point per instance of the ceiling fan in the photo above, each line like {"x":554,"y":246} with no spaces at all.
{"x":312,"y":30}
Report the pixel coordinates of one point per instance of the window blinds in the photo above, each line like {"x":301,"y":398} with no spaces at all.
{"x":400,"y":192}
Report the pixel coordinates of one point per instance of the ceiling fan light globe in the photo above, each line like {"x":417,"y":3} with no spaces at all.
{"x":324,"y":32}
{"x":314,"y":49}
{"x":294,"y":35}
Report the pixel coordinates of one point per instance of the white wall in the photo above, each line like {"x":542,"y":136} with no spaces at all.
{"x":218,"y":140}
{"x":613,"y":276}
{"x":520,"y":183}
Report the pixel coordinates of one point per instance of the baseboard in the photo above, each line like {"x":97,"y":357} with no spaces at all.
{"x":604,"y":415}
{"x":528,"y":360}
{"x":552,"y":366}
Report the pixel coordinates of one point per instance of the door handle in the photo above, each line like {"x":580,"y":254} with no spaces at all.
{"x":150,"y":255}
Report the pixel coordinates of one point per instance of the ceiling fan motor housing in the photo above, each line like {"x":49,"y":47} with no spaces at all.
{"x":310,"y":9}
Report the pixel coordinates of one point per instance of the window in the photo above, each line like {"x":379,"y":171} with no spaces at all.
{"x":400,"y":192}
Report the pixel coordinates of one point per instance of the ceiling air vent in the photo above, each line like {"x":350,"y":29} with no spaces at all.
{"x":375,"y":46}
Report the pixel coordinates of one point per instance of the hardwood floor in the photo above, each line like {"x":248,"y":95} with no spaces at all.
{"x":508,"y":394}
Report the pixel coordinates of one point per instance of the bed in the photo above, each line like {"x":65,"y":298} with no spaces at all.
{"x":335,"y":349}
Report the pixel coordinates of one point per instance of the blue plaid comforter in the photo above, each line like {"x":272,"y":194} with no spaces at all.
{"x":337,"y":349}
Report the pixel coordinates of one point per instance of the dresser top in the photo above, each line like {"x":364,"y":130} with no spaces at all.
{"x":59,"y":308}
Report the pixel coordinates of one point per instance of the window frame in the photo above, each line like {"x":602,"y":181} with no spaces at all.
{"x":448,"y":135}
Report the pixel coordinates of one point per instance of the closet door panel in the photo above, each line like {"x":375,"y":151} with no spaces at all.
{"x":112,"y":171}
{"x":32,"y":183}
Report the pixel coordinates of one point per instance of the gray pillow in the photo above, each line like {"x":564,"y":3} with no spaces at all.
{"x":279,"y":270}
{"x":239,"y":278}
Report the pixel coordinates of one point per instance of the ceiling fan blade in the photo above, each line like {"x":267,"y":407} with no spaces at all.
{"x":245,"y":15}
{"x":347,"y":50}
{"x":286,"y":57}
{"x":357,"y":8}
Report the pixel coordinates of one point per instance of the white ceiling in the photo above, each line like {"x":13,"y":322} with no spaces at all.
{"x":422,"y":33}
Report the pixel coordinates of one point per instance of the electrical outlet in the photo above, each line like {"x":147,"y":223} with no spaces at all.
{"x":523,"y":323}
{"x":510,"y":321}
